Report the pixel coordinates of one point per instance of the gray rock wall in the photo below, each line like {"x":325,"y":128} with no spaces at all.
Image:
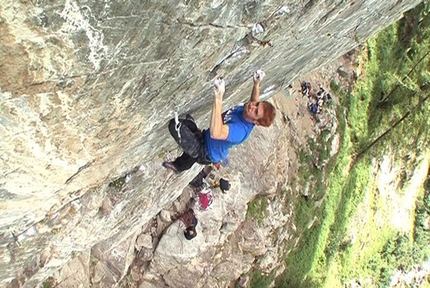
{"x":86,"y":88}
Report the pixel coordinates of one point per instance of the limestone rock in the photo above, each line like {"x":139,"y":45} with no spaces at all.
{"x":233,"y":268}
{"x":75,"y":273}
{"x":148,"y":284}
{"x":135,"y":274}
{"x":145,"y":254}
{"x":174,"y":250}
{"x":143,"y":241}
{"x":243,"y":281}
{"x":87,"y":88}
{"x":165,"y":216}
{"x":342,"y":72}
{"x":269,"y":261}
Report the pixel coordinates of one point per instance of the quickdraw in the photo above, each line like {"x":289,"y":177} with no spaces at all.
{"x":178,"y":126}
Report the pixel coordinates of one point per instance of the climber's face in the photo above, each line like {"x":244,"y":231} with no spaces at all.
{"x":252,"y":111}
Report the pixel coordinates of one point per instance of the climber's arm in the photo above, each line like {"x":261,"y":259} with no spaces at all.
{"x":218,"y":129}
{"x":257,"y":76}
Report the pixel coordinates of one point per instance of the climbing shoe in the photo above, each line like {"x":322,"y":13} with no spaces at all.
{"x":170,"y":166}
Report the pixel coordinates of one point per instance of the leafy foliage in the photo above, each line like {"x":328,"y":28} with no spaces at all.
{"x":403,"y":251}
{"x":397,"y":83}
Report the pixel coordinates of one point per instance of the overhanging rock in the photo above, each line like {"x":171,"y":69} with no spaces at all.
{"x":87,"y":88}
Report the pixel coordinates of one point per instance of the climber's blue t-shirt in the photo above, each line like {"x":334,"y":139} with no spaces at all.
{"x":239,"y":130}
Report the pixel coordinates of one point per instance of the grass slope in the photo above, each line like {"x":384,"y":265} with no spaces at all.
{"x":388,"y":99}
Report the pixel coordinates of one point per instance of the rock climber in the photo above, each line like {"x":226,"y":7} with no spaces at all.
{"x":190,"y":221}
{"x":226,"y":129}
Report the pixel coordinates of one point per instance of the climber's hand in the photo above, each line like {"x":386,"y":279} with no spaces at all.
{"x":258,"y":76}
{"x":219,"y":87}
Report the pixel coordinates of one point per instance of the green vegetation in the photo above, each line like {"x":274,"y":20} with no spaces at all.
{"x":257,"y":209}
{"x":259,"y":280}
{"x":118,"y":182}
{"x":400,"y":251}
{"x":50,"y":282}
{"x":311,"y":177}
{"x":387,"y":113}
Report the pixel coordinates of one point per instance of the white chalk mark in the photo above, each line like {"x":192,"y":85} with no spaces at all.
{"x":76,"y":21}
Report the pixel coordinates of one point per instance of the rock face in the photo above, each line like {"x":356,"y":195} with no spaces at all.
{"x":86,"y":90}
